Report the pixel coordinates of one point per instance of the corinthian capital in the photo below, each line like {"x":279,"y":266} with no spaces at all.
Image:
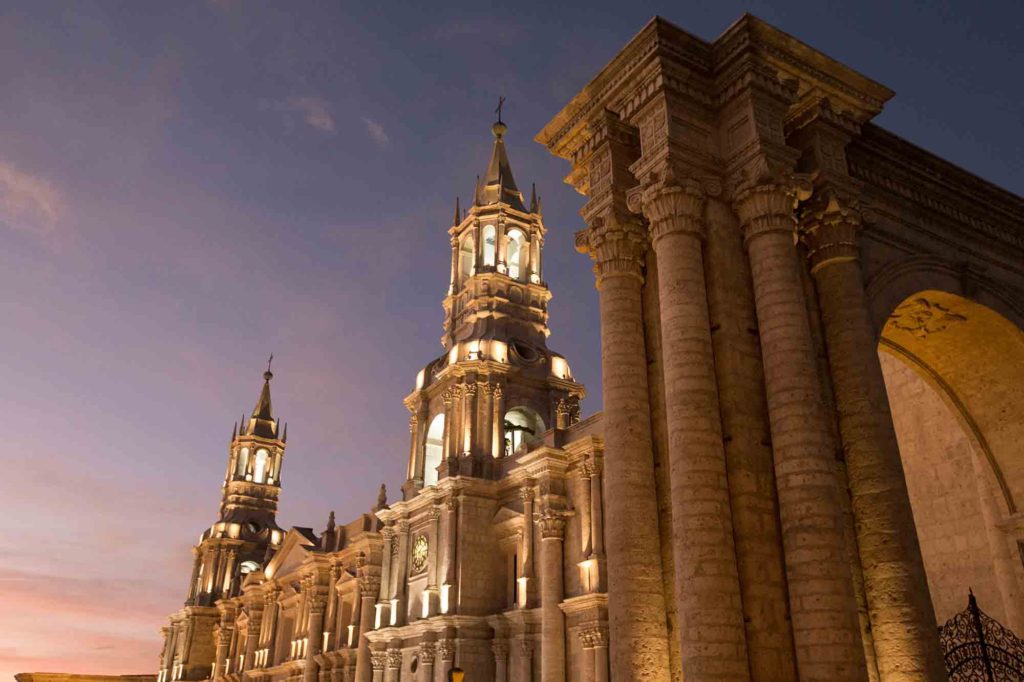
{"x":829,"y":227}
{"x":552,"y":524}
{"x":674,"y":207}
{"x":768,"y":206}
{"x":616,"y":243}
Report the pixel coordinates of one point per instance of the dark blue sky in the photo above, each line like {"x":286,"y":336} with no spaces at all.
{"x":188,"y":186}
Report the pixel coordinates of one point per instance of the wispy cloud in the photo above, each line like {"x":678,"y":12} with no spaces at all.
{"x":28,"y":203}
{"x":314,"y":111}
{"x":377,"y":132}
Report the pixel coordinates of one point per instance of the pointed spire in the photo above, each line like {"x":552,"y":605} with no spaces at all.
{"x":234,"y":433}
{"x":476,"y":192}
{"x":533,"y":197}
{"x":284,"y":439}
{"x":330,"y":521}
{"x":241,"y":425}
{"x":458,"y":213}
{"x":262,"y":422}
{"x":499,"y":185}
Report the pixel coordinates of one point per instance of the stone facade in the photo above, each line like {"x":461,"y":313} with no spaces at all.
{"x":761,"y":498}
{"x":756,"y":239}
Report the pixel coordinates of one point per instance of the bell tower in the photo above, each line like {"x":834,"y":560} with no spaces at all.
{"x":497,"y":388}
{"x":247,"y":525}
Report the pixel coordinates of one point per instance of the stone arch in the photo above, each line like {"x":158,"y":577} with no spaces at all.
{"x":954,"y":370}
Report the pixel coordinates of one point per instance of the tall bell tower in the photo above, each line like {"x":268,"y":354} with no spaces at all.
{"x":497,"y":388}
{"x":235,"y":545}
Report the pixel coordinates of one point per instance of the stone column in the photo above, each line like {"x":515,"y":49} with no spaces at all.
{"x":270,"y":635}
{"x":433,"y":561}
{"x":394,"y":664}
{"x":902,"y":619}
{"x":596,"y":510}
{"x":552,"y":648}
{"x":415,"y":452}
{"x":387,"y":581}
{"x":197,"y":561}
{"x":707,"y":589}
{"x":584,"y":509}
{"x":823,"y":607}
{"x":500,"y":649}
{"x":365,"y":667}
{"x":468,"y":417}
{"x":398,"y":582}
{"x":428,"y":651}
{"x":448,"y":397}
{"x":587,"y":657}
{"x":498,"y":424}
{"x":526,"y":647}
{"x":637,"y":615}
{"x":223,"y":642}
{"x":526,"y":494}
{"x":252,"y":638}
{"x":599,"y":636}
{"x":446,"y":652}
{"x":451,"y":543}
{"x":378,"y":660}
{"x":483,"y":444}
{"x":314,"y":633}
{"x":455,"y":265}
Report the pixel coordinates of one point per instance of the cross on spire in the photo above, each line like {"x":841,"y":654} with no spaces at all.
{"x":501,"y":103}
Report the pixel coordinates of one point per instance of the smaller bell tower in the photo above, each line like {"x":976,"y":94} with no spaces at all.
{"x":237,"y":544}
{"x":247,"y":525}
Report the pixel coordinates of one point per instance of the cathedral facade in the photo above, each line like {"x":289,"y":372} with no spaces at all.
{"x":809,"y":445}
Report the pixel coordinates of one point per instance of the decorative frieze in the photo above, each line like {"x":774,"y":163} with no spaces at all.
{"x":921,"y":317}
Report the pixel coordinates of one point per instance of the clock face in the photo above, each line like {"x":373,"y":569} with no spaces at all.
{"x":420,"y":549}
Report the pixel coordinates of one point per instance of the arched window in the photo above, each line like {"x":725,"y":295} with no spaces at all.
{"x":259,"y":465}
{"x":514,"y":253}
{"x":523,"y":428}
{"x":466,"y":258}
{"x":243,"y":462}
{"x":490,"y":238}
{"x":432,"y":450}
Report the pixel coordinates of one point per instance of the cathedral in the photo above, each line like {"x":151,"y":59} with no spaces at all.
{"x":809,"y":447}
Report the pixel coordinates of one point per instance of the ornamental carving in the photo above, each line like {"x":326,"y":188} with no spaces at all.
{"x":378,"y":659}
{"x":674,"y":208}
{"x":446,"y":649}
{"x":768,"y":207}
{"x":394,"y":658}
{"x":500,"y":649}
{"x":830,"y":228}
{"x":420,"y":553}
{"x":552,"y":524}
{"x":921,"y":317}
{"x":593,"y":635}
{"x":428,"y":651}
{"x":369,"y":585}
{"x":617,"y":245}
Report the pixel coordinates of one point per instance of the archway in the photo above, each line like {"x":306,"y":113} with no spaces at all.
{"x":523,"y":428}
{"x":954,"y":372}
{"x":432,"y":450}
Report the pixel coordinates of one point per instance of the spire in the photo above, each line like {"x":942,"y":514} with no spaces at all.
{"x":499,"y":185}
{"x":262,"y":422}
{"x":234,"y":433}
{"x":533,"y":197}
{"x":458,"y":217}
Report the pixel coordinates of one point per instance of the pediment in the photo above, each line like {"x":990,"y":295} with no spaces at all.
{"x":295,"y":548}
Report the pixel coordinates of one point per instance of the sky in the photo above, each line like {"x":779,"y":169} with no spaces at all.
{"x":187,"y":187}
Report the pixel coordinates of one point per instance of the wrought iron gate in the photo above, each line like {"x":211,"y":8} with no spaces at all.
{"x":978,"y":649}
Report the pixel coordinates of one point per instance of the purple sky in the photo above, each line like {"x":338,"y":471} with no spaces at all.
{"x":186,"y":187}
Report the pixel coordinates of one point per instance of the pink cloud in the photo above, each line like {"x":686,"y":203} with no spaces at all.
{"x":315,"y":112}
{"x":28,"y":203}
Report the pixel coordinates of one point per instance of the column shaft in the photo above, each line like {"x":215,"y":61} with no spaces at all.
{"x":707,"y":591}
{"x":902,"y":619}
{"x":552,"y":648}
{"x":314,"y":637}
{"x":748,"y":453}
{"x":824,"y":610}
{"x":637,"y":613}
{"x":364,"y":665}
